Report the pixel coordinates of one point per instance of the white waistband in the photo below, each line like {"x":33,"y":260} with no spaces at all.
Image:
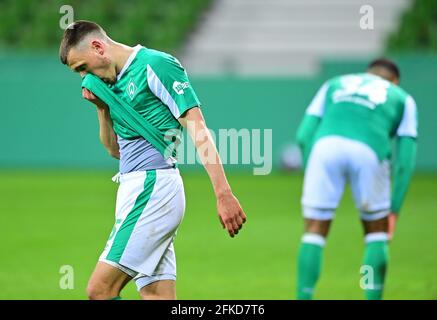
{"x":123,"y":177}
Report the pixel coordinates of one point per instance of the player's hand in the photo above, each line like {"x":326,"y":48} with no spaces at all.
{"x":230,"y":213}
{"x":91,"y":97}
{"x":392,"y":219}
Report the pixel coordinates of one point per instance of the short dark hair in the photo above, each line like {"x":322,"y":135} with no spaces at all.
{"x":387,"y":64}
{"x":74,"y":33}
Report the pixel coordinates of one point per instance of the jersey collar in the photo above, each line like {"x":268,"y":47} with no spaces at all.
{"x":129,"y":61}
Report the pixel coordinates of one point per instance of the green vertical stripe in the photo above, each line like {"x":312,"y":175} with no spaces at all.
{"x":122,"y":237}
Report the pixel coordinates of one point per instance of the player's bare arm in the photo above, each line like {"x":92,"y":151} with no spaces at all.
{"x":231,"y":215}
{"x":107,"y":135}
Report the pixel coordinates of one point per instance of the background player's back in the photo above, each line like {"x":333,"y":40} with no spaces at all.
{"x":363,"y":107}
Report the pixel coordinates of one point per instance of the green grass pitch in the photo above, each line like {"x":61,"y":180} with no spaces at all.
{"x":51,"y":219}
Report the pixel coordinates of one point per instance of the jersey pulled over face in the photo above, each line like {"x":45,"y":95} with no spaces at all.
{"x":364,"y":107}
{"x":157,"y":86}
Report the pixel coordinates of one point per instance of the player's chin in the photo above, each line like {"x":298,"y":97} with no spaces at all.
{"x":108,"y":80}
{"x":111,"y":81}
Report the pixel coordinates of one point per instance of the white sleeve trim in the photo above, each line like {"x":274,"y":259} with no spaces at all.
{"x":408,"y":125}
{"x":317,"y":105}
{"x":161,"y":92}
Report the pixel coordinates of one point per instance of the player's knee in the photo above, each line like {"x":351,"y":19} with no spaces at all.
{"x":100,"y":291}
{"x":147,"y":295}
{"x":380,"y":225}
{"x":151,"y":296}
{"x":320,"y":227}
{"x":318,"y":220}
{"x":376,"y":221}
{"x":95,"y":292}
{"x":158,"y":290}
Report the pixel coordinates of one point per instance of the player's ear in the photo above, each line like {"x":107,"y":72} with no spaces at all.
{"x":97,"y":46}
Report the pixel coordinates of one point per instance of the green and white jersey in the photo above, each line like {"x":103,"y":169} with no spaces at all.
{"x":156,"y":85}
{"x":364,"y":107}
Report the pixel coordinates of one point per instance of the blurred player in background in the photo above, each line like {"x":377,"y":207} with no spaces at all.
{"x":150,"y":199}
{"x":346,"y":136}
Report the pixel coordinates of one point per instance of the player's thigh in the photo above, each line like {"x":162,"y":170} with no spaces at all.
{"x":370,"y":183}
{"x":106,"y":281}
{"x":324,"y":179}
{"x":165,"y":271}
{"x":159,"y":290}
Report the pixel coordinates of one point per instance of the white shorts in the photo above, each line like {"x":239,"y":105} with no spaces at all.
{"x":335,"y":160}
{"x":150,"y":207}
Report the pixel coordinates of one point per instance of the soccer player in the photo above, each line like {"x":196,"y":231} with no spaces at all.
{"x":346,"y":136}
{"x":150,"y":200}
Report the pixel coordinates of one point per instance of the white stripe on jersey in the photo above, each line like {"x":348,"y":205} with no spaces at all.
{"x":317,"y":106}
{"x":129,"y":60}
{"x":408,"y":125}
{"x":161,"y":92}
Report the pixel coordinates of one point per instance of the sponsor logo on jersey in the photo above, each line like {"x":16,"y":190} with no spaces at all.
{"x":179,"y":87}
{"x":131,"y":89}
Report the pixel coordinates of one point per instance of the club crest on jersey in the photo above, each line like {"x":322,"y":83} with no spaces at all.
{"x":179,"y":87}
{"x":131,"y":89}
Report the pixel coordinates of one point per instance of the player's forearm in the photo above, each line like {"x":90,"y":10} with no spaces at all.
{"x":305,"y":135}
{"x":229,"y":210}
{"x":218,"y":178}
{"x":405,"y":160}
{"x":107,"y":135}
{"x":195,"y":124}
{"x":210,"y":159}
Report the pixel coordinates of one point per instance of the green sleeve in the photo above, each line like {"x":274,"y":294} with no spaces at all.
{"x":169,"y":81}
{"x":305,"y":135}
{"x":403,"y":167}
